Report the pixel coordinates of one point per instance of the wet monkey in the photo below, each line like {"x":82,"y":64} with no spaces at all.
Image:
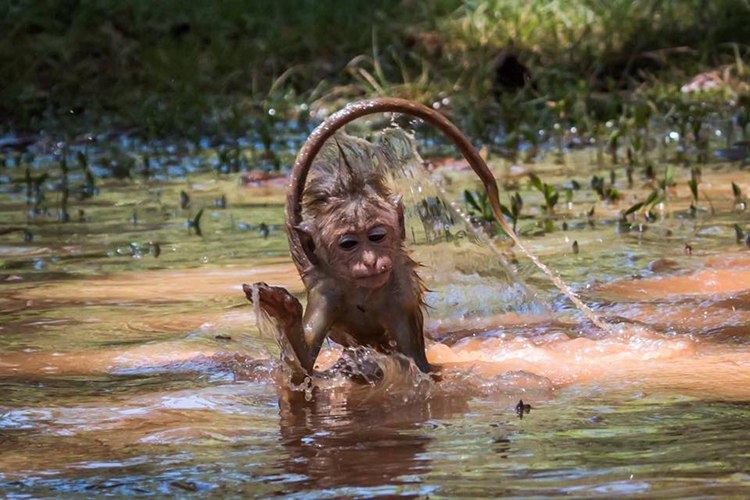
{"x":346,"y":232}
{"x":362,"y":287}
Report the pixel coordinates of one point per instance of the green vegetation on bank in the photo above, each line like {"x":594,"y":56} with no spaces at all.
{"x":173,"y":67}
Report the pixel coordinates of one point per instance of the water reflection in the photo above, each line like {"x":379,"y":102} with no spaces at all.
{"x":369,"y":447}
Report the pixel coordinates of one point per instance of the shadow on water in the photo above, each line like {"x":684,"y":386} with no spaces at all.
{"x":379,"y":447}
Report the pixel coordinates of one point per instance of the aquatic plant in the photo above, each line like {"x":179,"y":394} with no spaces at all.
{"x":184,"y":200}
{"x":693,"y":185}
{"x":146,"y":171}
{"x":63,"y":215}
{"x":743,"y":120}
{"x":548,"y":191}
{"x":89,"y":187}
{"x":480,"y":210}
{"x":195,"y":223}
{"x":34,"y":191}
{"x":739,"y":233}
{"x":264,"y":230}
{"x":478,"y":205}
{"x":739,"y":201}
{"x":514,"y":212}
{"x":668,"y":180}
{"x":647,"y":205}
{"x":606,"y":192}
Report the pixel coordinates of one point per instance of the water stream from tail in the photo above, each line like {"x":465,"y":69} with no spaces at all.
{"x":409,"y":143}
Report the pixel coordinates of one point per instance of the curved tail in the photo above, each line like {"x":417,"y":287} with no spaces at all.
{"x":314,"y":143}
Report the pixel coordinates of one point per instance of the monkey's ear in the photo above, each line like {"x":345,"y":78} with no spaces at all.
{"x":305,"y":233}
{"x":400,"y":213}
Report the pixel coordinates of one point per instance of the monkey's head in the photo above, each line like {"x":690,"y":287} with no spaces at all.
{"x":359,"y":240}
{"x":352,"y":225}
{"x":364,"y":240}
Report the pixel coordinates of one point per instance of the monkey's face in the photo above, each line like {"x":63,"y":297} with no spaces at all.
{"x":363,"y":250}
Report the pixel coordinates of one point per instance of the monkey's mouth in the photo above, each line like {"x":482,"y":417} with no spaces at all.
{"x":375,"y":280}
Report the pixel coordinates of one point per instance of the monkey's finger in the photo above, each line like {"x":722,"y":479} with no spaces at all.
{"x":274,"y":295}
{"x":248,"y":289}
{"x":275,"y":300}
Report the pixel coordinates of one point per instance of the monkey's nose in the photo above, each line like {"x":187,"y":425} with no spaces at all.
{"x":369,"y":259}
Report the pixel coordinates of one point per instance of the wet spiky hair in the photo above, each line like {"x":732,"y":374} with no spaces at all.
{"x":345,"y":171}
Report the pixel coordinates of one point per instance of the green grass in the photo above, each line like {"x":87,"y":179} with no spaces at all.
{"x":218,"y":66}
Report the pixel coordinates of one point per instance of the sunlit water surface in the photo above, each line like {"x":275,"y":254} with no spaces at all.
{"x":130,"y":362}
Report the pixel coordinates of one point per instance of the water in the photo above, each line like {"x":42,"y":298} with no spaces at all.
{"x":130,"y":371}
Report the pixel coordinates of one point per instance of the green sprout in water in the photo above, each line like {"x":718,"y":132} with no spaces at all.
{"x":668,"y":180}
{"x":481,"y":210}
{"x":146,"y":172}
{"x":693,"y":184}
{"x":590,"y":215}
{"x":743,"y":120}
{"x":263,"y":229}
{"x":34,"y":192}
{"x":184,"y":200}
{"x":479,"y":206}
{"x":64,"y":216}
{"x":653,"y":199}
{"x":514,"y":212}
{"x":196,"y":223}
{"x":739,"y":201}
{"x":613,"y":143}
{"x":221,"y":202}
{"x":623,"y":224}
{"x":742,"y":235}
{"x":605,"y":192}
{"x":550,"y":196}
{"x":89,"y":188}
{"x":739,"y":233}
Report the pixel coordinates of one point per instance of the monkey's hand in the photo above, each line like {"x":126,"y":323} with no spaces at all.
{"x":278,"y":303}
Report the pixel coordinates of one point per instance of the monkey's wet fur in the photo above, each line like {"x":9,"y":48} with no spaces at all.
{"x":362,"y":286}
{"x":346,"y":233}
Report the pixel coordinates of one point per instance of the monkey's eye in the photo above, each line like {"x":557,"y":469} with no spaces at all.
{"x":377,"y":234}
{"x":348,"y":242}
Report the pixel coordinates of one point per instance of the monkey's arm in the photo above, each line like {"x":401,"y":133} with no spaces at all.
{"x":407,"y":331}
{"x":305,"y":333}
{"x":316,"y":324}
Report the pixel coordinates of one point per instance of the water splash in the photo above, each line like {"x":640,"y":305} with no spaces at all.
{"x":467,"y":276}
{"x":414,"y":166}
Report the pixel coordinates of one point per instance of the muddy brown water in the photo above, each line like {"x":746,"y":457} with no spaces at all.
{"x":124,"y":373}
